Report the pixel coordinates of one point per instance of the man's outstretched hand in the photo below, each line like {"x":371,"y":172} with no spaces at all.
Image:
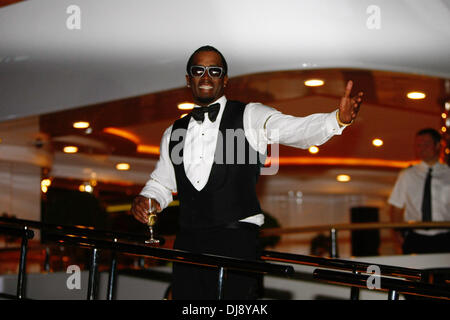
{"x":349,"y":107}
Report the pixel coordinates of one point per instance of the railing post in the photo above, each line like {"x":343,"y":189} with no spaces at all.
{"x":22,"y":266}
{"x":47,"y":260}
{"x":112,"y":275}
{"x":393,"y":295}
{"x":354,"y":291}
{"x":92,"y":284}
{"x":333,"y":244}
{"x":220,"y":283}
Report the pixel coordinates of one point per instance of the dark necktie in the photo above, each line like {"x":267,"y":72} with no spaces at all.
{"x":199,"y":113}
{"x":426,"y":202}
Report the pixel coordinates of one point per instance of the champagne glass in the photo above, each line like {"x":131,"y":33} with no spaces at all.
{"x":151,"y":222}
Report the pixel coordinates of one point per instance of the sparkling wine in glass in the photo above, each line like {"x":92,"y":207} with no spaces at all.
{"x":151,"y":222}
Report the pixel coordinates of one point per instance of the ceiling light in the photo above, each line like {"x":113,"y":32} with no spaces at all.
{"x":377,"y":142}
{"x":314,"y":83}
{"x":45,"y":183}
{"x":447,"y":106}
{"x":444,"y":115}
{"x":444,"y":129}
{"x":416,"y":95}
{"x":81,"y":124}
{"x":70,"y":149}
{"x":313,"y":149}
{"x":86,"y":187}
{"x":447,"y":122}
{"x":186,"y":106}
{"x":123,"y":166}
{"x":343,"y":178}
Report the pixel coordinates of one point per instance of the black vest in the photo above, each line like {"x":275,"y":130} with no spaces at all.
{"x":229,"y":195}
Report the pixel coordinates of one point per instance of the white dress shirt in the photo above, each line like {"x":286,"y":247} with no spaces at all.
{"x":408,"y":194}
{"x":263,"y":125}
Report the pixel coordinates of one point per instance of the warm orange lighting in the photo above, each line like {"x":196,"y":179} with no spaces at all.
{"x":81,"y":124}
{"x":444,"y":115}
{"x":143,"y":148}
{"x":377,"y":142}
{"x":186,"y":106}
{"x":416,"y":95}
{"x":343,"y":178}
{"x":123,"y":134}
{"x":365,"y":162}
{"x":45,"y":183}
{"x":123,"y":166}
{"x":447,"y":151}
{"x":86,"y":187}
{"x":184,"y":115}
{"x":314,"y":83}
{"x":313,"y":149}
{"x":70,"y":149}
{"x":444,"y":129}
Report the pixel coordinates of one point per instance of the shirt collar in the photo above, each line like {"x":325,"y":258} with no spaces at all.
{"x":222,"y":101}
{"x":425,"y":166}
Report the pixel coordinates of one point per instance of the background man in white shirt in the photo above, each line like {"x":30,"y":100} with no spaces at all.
{"x":219,"y":209}
{"x":407,"y":201}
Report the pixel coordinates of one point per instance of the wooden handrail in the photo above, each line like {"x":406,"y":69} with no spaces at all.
{"x":357,"y":226}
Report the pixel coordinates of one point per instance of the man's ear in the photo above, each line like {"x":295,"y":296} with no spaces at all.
{"x":225,"y":81}
{"x":188,"y":81}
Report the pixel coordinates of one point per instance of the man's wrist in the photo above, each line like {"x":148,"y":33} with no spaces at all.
{"x":342,"y":124}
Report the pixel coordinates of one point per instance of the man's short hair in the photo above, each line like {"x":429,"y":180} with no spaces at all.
{"x":435,"y":135}
{"x":207,"y":48}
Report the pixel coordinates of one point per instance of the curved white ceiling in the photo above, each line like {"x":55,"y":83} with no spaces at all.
{"x":134,"y":47}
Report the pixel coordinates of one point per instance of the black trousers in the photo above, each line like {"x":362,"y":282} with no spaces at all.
{"x":418,"y":243}
{"x":193,"y":282}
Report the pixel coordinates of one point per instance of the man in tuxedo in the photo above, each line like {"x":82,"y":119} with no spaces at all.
{"x":219,"y":210}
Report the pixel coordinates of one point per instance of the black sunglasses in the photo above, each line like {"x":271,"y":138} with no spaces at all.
{"x":213,"y":71}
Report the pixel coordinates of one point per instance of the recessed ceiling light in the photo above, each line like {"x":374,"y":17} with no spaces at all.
{"x":377,"y":142}
{"x":343,"y":178}
{"x":186,"y":106}
{"x":416,"y":95}
{"x":123,"y":166}
{"x":313,"y":149}
{"x":444,"y":129}
{"x":444,"y":115}
{"x":81,"y":124}
{"x":314,"y":83}
{"x":70,"y":149}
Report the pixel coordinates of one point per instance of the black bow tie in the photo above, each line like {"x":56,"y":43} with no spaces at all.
{"x":199,"y":113}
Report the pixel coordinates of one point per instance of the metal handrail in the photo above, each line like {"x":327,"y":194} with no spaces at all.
{"x":354,"y":266}
{"x":358,"y":226}
{"x":393,"y":286}
{"x":333,"y":229}
{"x":173,"y":255}
{"x":79,"y":230}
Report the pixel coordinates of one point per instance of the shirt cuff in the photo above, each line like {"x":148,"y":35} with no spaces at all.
{"x":332,"y":124}
{"x":152,"y":191}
